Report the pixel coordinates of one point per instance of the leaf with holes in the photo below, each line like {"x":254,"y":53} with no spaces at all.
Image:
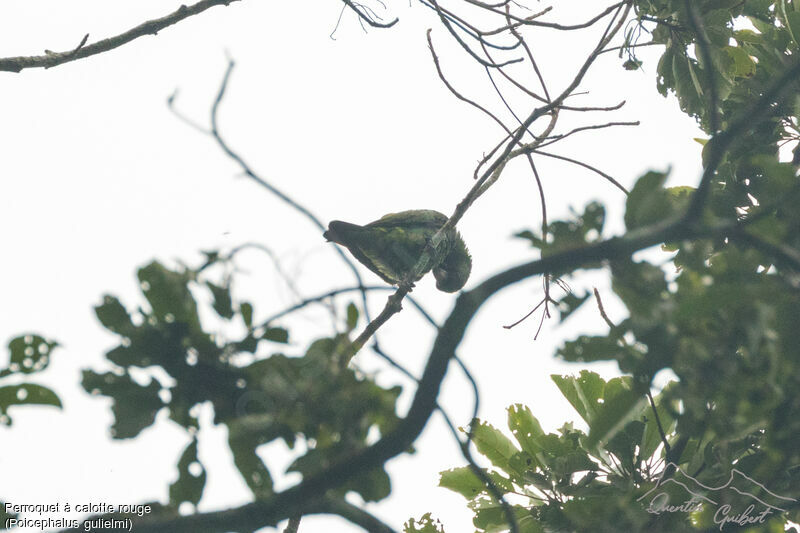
{"x":223,"y":304}
{"x":463,"y":481}
{"x":26,"y":394}
{"x":28,"y":354}
{"x":191,"y":478}
{"x":135,"y":406}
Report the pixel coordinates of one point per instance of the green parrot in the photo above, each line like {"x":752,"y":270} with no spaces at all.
{"x":393,"y":244}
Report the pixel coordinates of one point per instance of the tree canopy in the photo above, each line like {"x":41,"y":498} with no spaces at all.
{"x":717,"y":309}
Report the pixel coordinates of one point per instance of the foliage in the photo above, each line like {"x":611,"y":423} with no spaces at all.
{"x":568,"y":481}
{"x":259,"y":396}
{"x":28,"y":354}
{"x":718,"y":315}
{"x":723,"y":321}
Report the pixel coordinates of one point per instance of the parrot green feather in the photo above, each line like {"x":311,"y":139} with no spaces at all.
{"x":392,"y":245}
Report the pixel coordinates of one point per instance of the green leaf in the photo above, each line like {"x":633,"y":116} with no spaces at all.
{"x":743,"y":64}
{"x":135,"y":407}
{"x":666,"y":78}
{"x":716,"y":25}
{"x":426,"y":524}
{"x":613,"y":415}
{"x":28,"y":354}
{"x":641,"y":286}
{"x":168,"y":293}
{"x":793,"y":22}
{"x":574,"y":232}
{"x":583,"y":392}
{"x":651,"y":437}
{"x":26,"y":394}
{"x":372,"y":485}
{"x":352,"y":317}
{"x":570,"y":303}
{"x":577,"y":461}
{"x":463,"y":481}
{"x":243,"y":445}
{"x":191,"y":478}
{"x":246,"y":309}
{"x":113,"y":315}
{"x":280,"y":335}
{"x":492,"y":444}
{"x":747,"y":36}
{"x":490,"y":517}
{"x":632,"y":64}
{"x":586,"y":349}
{"x":223,"y":303}
{"x":525,"y":428}
{"x":647,"y":203}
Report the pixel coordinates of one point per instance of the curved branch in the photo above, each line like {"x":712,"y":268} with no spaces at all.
{"x":614,"y":182}
{"x":250,"y":173}
{"x":151,"y":27}
{"x":304,"y":497}
{"x":301,"y":497}
{"x":366,"y":18}
{"x":354,"y":514}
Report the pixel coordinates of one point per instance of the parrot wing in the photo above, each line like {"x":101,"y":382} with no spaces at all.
{"x":352,"y":236}
{"x":392,"y":245}
{"x":421,"y":218}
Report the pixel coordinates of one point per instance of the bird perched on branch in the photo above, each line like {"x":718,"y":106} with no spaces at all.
{"x":392,"y":245}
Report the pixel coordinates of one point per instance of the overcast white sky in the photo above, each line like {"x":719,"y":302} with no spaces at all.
{"x":98,"y":178}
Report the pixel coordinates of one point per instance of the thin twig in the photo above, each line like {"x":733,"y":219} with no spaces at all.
{"x":584,"y":165}
{"x":250,"y":173}
{"x":489,"y":176}
{"x":460,"y":41}
{"x":552,"y":25}
{"x":151,"y":27}
{"x":602,"y":309}
{"x":556,"y":138}
{"x":366,"y":18}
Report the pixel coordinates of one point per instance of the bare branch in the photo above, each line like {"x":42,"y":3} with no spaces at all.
{"x":489,"y":176}
{"x":459,"y":40}
{"x":293,"y":525}
{"x":354,"y":514}
{"x":151,"y":27}
{"x":367,"y":18}
{"x":456,"y":93}
{"x":299,"y":498}
{"x":250,"y":173}
{"x":602,"y":309}
{"x":556,"y":138}
{"x":530,"y":22}
{"x":617,"y":184}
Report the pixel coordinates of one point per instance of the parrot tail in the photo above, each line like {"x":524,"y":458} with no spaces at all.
{"x":341,"y":232}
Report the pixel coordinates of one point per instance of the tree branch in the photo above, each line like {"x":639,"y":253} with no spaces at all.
{"x":250,"y":173}
{"x":298,"y":499}
{"x":366,"y":18}
{"x":151,"y":27}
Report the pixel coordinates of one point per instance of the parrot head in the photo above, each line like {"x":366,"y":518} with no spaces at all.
{"x":452,"y":273}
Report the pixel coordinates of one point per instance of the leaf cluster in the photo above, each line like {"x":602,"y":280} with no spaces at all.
{"x":167,"y":360}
